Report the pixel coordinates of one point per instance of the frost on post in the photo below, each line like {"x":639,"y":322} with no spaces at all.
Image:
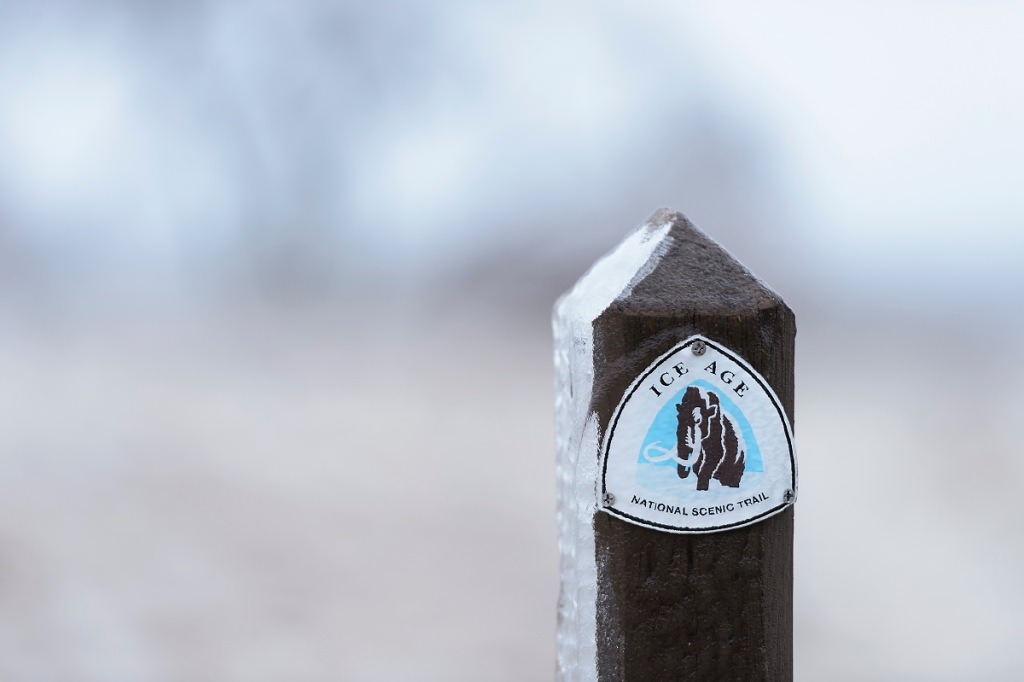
{"x":577,"y":439}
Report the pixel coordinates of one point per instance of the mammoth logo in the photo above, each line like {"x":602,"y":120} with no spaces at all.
{"x":709,"y":436}
{"x":709,"y":439}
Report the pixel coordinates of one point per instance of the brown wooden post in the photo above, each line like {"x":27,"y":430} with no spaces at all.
{"x":646,"y":595}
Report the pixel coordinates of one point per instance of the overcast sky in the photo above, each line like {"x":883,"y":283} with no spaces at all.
{"x":422,"y":134}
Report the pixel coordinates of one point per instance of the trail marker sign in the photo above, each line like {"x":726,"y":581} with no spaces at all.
{"x":676,"y":468}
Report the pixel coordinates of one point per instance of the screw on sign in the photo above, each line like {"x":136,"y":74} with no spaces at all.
{"x":676,"y":469}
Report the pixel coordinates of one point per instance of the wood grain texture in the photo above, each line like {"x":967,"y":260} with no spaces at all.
{"x":693,"y":607}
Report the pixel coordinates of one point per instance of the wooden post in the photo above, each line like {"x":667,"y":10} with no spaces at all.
{"x":689,"y":578}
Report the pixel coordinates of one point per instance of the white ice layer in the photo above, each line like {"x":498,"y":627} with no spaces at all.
{"x":578,"y":440}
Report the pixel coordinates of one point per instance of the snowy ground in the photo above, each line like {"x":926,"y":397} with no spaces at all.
{"x":337,"y":495}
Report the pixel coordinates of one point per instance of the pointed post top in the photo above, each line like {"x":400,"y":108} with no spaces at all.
{"x":691,"y":270}
{"x":666,"y":265}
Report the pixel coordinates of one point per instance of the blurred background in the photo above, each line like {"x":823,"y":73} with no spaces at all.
{"x":275,"y":282}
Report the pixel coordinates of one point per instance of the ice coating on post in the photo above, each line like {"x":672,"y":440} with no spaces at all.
{"x":638,"y":603}
{"x":576,"y":435}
